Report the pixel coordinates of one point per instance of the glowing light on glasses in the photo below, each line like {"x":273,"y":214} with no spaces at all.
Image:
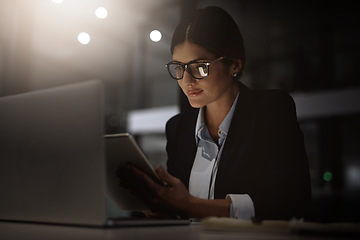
{"x":155,"y":35}
{"x":101,"y":12}
{"x":84,"y":38}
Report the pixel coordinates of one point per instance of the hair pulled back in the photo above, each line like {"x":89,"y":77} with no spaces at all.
{"x":215,"y":30}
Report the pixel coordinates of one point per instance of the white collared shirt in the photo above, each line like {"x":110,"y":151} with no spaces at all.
{"x":204,"y":170}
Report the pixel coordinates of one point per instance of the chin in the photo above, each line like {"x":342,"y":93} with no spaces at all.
{"x":196,"y":104}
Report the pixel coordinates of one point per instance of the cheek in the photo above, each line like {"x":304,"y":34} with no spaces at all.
{"x":213,"y":83}
{"x":218,"y":85}
{"x":181,"y":85}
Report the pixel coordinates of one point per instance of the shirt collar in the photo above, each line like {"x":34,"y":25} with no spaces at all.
{"x":225,"y":125}
{"x":200,"y":124}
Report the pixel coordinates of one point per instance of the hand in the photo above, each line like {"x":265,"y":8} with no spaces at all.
{"x":172,"y":198}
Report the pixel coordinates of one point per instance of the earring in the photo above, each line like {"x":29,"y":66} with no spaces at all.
{"x":235,"y":74}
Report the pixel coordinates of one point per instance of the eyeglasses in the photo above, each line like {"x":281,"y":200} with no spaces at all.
{"x":198,"y":69}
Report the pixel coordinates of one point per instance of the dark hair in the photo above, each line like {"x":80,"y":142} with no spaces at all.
{"x":215,"y":30}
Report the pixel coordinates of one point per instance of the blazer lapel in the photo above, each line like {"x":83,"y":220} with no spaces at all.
{"x":238,"y":130}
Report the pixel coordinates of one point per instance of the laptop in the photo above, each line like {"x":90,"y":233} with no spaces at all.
{"x":53,"y":159}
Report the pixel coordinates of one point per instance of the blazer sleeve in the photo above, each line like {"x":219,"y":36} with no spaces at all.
{"x":264,"y":156}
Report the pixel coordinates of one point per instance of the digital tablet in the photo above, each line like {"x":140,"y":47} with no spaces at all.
{"x":120,"y":150}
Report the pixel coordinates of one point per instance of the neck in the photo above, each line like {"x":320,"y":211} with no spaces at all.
{"x":215,"y":113}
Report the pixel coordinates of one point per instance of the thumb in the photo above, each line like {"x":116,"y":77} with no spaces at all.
{"x":165,"y":176}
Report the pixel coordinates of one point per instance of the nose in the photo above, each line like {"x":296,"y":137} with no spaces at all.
{"x":188,"y":79}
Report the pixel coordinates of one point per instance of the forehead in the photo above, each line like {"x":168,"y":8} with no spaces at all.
{"x":187,"y":51}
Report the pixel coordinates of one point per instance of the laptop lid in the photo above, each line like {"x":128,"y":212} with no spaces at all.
{"x":51,"y":155}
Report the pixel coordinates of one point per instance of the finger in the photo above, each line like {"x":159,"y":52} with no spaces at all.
{"x":144,"y":178}
{"x":165,"y":176}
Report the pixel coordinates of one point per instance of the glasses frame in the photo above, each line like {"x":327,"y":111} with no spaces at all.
{"x":184,"y":66}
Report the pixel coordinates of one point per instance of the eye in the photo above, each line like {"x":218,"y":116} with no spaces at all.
{"x":202,"y":69}
{"x":177,"y":67}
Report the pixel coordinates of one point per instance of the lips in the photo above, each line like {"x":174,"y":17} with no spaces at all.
{"x":194,"y":93}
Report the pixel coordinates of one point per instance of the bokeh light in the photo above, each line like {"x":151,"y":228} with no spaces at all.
{"x":155,"y":35}
{"x":101,"y":12}
{"x":328,"y":176}
{"x":84,"y":38}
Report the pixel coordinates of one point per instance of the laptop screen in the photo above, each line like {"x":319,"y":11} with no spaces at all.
{"x":51,"y":155}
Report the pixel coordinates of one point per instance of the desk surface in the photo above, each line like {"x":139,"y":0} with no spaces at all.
{"x":12,"y":231}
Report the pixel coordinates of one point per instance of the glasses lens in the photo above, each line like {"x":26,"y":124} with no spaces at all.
{"x":199,"y":70}
{"x":176,"y":70}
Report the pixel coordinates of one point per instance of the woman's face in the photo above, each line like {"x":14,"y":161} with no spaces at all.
{"x":216,"y":88}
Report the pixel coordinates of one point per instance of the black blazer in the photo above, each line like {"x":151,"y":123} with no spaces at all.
{"x":263,"y":156}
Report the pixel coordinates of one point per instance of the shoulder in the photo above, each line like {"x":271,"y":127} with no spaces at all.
{"x":181,"y":121}
{"x":173,"y":121}
{"x":277,"y":100}
{"x":182,"y":118}
{"x":270,"y":99}
{"x":275,"y":109}
{"x":267,"y":96}
{"x":265,"y":105}
{"x":273,"y":96}
{"x":180,"y":130}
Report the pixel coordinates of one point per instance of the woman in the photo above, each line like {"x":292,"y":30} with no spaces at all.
{"x":237,"y":152}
